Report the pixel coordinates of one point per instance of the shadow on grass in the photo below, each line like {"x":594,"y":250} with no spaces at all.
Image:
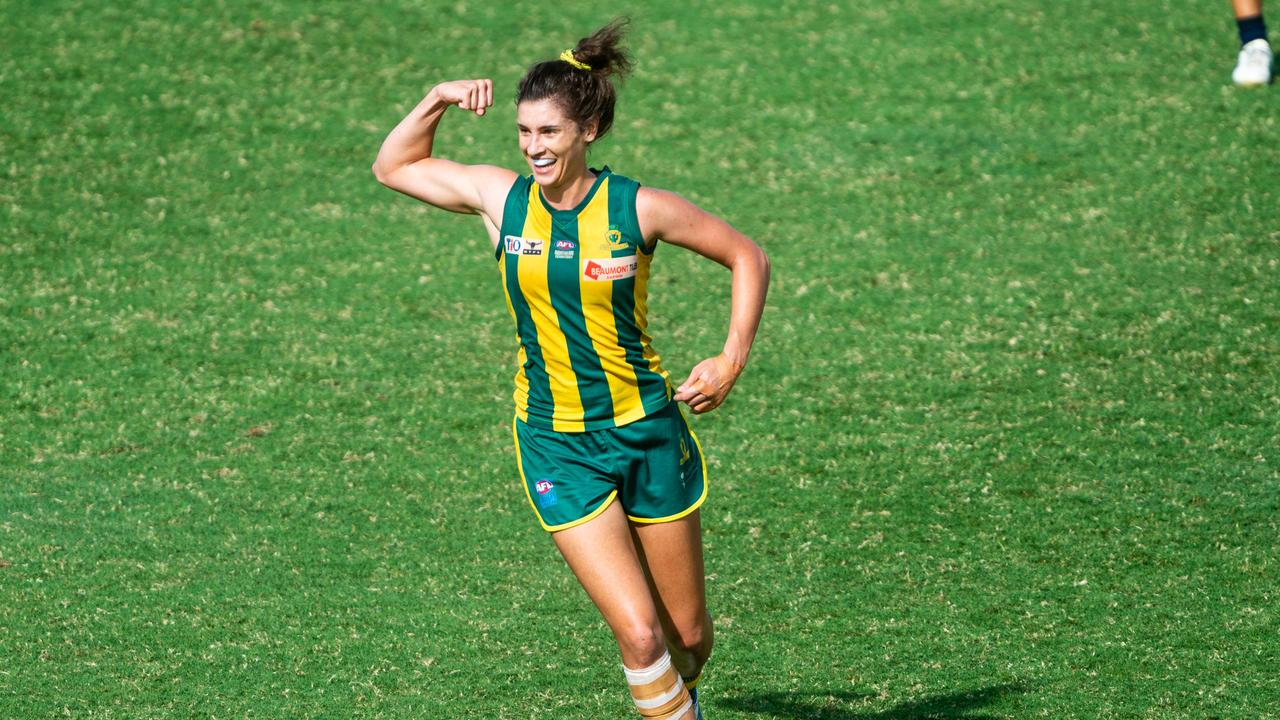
{"x":820,"y":705}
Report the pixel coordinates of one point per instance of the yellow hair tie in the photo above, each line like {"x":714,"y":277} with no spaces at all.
{"x":568,"y":57}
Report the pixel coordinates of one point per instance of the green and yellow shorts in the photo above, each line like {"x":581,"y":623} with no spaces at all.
{"x":653,"y":466}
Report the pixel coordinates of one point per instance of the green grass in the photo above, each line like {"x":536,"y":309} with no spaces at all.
{"x":1006,"y":449}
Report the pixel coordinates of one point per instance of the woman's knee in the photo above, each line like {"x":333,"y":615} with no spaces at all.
{"x":641,"y":644}
{"x":693,"y":636}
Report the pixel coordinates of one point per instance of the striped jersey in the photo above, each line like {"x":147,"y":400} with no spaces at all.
{"x":576,"y":283}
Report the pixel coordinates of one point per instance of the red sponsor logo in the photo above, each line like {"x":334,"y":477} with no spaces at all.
{"x":608,"y":269}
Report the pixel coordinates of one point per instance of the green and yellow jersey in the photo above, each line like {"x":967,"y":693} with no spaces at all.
{"x":576,"y":282}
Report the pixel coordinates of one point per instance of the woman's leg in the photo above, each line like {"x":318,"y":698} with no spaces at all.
{"x":603,"y":556}
{"x":671,"y":554}
{"x":1246,"y":8}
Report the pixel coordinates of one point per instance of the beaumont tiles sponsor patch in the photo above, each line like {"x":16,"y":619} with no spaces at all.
{"x":609,"y":269}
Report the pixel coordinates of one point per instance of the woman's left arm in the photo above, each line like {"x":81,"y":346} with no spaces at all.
{"x":667,"y":216}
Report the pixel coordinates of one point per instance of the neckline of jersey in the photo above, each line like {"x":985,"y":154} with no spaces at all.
{"x":600,"y":176}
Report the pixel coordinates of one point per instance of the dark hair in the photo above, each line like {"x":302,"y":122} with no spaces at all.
{"x":583,"y":95}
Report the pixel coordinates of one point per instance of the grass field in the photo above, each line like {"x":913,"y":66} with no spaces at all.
{"x":1007,"y":447}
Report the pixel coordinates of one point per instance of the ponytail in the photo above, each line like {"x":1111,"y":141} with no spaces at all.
{"x":580,"y":80}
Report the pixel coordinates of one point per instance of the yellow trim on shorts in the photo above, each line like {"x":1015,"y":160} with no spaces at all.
{"x":524,"y":483}
{"x":702,"y":457}
{"x":592,"y":516}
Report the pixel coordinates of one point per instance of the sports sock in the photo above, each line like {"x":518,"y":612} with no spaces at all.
{"x":658,"y":691}
{"x":1251,"y":28}
{"x":691,"y":684}
{"x":697,"y":709}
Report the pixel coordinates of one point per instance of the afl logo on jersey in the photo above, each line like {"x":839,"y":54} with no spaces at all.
{"x":609,"y":269}
{"x":565,"y":249}
{"x":523,"y":246}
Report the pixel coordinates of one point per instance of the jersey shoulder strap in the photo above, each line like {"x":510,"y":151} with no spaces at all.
{"x":622,"y":209}
{"x":515,"y":210}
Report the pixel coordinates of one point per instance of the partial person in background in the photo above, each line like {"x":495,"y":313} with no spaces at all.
{"x":1253,"y":67}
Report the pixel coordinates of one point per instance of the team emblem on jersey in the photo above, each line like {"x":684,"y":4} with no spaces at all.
{"x":609,"y":269}
{"x":523,"y":246}
{"x":614,"y":238}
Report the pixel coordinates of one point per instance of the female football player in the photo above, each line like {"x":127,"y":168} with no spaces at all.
{"x":606,"y":456}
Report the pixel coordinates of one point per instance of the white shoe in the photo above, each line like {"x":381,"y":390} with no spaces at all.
{"x":1254,"y":66}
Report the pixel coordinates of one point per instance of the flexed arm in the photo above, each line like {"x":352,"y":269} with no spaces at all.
{"x":405,"y":162}
{"x":667,"y":216}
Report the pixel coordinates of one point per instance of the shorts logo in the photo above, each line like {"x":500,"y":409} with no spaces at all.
{"x":565,"y":249}
{"x":523,"y":246}
{"x":684,"y":452}
{"x":609,"y":269}
{"x":546,"y":493}
{"x":614,"y":238}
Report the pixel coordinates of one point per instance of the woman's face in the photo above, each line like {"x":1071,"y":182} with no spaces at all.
{"x":552,"y":143}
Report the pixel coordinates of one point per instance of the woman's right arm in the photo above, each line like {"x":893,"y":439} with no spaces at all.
{"x":405,"y":163}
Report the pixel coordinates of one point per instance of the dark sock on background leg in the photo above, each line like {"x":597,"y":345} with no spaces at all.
{"x":1251,"y":28}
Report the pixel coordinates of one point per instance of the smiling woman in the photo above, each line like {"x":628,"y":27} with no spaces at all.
{"x":606,"y":457}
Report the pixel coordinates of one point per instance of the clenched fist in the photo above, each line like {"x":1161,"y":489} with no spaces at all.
{"x":708,"y":384}
{"x":474,"y":95}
